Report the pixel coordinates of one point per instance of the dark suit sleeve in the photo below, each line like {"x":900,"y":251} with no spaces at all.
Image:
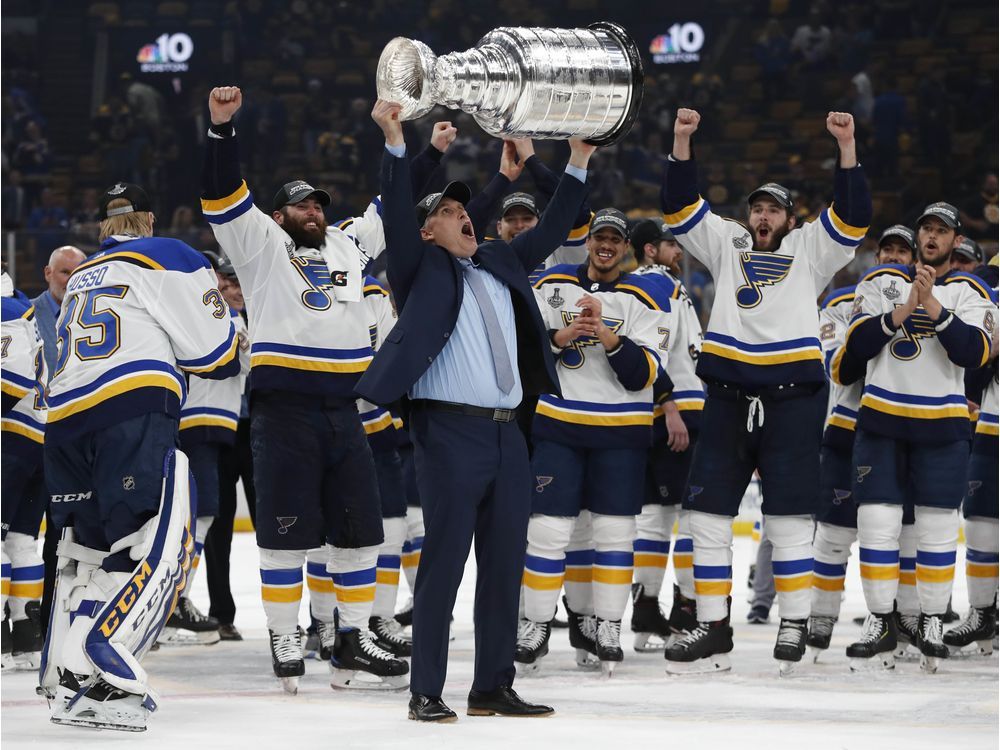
{"x":537,"y":244}
{"x":482,"y":206}
{"x":404,"y":248}
{"x":422,"y":169}
{"x":546,"y":181}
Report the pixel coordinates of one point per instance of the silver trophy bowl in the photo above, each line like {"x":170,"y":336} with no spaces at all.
{"x":524,"y":82}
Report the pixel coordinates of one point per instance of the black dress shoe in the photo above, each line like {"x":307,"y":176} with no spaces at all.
{"x":505,"y":702}
{"x":426,"y":708}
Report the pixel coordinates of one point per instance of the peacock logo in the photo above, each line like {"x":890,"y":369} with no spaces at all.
{"x":168,"y":54}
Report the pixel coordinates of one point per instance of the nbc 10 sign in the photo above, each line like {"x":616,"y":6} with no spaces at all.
{"x":682,"y":43}
{"x":162,"y":52}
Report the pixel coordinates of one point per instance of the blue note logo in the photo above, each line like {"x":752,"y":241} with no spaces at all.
{"x":693,"y":492}
{"x":574,"y":355}
{"x":839,"y":496}
{"x":916,"y":327}
{"x":760,"y":270}
{"x":320,"y":280}
{"x":542,"y":482}
{"x":285,"y":523}
{"x":973,"y":486}
{"x":863,"y":471}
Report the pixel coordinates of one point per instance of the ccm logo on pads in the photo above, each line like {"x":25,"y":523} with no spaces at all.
{"x":72,"y":497}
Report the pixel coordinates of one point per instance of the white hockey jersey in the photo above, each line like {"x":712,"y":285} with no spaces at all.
{"x":845,"y":399}
{"x":308,"y":327}
{"x":764,"y":330}
{"x":607,"y":398}
{"x":135,"y":317}
{"x":380,"y":425}
{"x":23,"y":420}
{"x":914,"y":384}
{"x":211,"y":411}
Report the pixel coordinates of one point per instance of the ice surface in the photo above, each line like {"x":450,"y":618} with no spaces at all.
{"x":225,"y":696}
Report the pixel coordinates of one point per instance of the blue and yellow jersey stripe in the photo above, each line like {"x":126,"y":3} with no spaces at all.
{"x":124,"y":379}
{"x":839,"y":230}
{"x":842,"y":417}
{"x":314,"y":359}
{"x":221,"y":356}
{"x":17,"y":423}
{"x":772,"y":353}
{"x":988,"y":424}
{"x":687,"y":218}
{"x":206,"y":416}
{"x":14,"y":385}
{"x":232,"y":206}
{"x":911,"y":406}
{"x":595,"y":414}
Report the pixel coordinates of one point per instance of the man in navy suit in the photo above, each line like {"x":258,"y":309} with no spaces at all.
{"x":468,"y":346}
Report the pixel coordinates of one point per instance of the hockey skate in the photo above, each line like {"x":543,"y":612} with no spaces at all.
{"x":930,"y":642}
{"x":974,"y":635}
{"x":609,"y":646}
{"x":286,"y":658}
{"x":359,"y":663}
{"x":876,"y":646}
{"x":790,"y":645}
{"x":405,"y":616}
{"x":389,"y":636}
{"x":5,"y":635}
{"x":650,"y":627}
{"x":26,"y":639}
{"x":188,"y":626}
{"x":98,"y":705}
{"x":583,"y":637}
{"x":820,"y":632}
{"x":702,"y":651}
{"x":906,"y":636}
{"x":532,"y":646}
{"x":683,"y":616}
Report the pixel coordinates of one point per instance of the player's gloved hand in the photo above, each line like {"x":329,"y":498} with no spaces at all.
{"x":510,"y":167}
{"x":223,"y":103}
{"x":443,"y":135}
{"x":386,"y":115}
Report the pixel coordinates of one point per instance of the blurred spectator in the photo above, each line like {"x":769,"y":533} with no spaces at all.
{"x":863,"y":98}
{"x":146,"y":105}
{"x":31,"y":156}
{"x":979,"y":211}
{"x":773,"y":53}
{"x":182,"y":226}
{"x":84,"y":221}
{"x":888,"y":119}
{"x":934,"y":119}
{"x":14,"y":201}
{"x":811,"y":41}
{"x":48,"y":215}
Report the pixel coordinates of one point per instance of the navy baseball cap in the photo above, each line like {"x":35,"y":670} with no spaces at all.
{"x":610,"y":217}
{"x":781,"y":194}
{"x":135,"y":195}
{"x":900,"y":232}
{"x":943,"y":211}
{"x":297,"y":191}
{"x":650,"y":231}
{"x":458,"y":191}
{"x":970,"y":249}
{"x":518,"y":199}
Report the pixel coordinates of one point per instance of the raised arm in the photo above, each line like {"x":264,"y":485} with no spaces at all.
{"x":405,"y":248}
{"x":483,"y":206}
{"x":547,"y":181}
{"x":425,"y":164}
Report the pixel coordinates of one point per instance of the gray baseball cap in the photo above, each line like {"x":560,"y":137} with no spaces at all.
{"x":610,"y":217}
{"x":781,"y":194}
{"x":901,"y":232}
{"x":970,"y":249}
{"x":943,"y":211}
{"x":525,"y":200}
{"x":297,"y":191}
{"x":458,"y":191}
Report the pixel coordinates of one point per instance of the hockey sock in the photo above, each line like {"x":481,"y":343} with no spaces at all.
{"x":387,"y":566}
{"x":4,"y":581}
{"x":937,"y":541}
{"x":580,"y":566}
{"x":831,"y":550}
{"x":26,"y":573}
{"x":879,"y":526}
{"x":981,"y":560}
{"x":907,"y":601}
{"x":712,"y":536}
{"x":413,"y":544}
{"x":684,"y":556}
{"x":281,"y":588}
{"x":322,"y":599}
{"x":651,"y":547}
{"x":202,"y":526}
{"x":792,"y":560}
{"x":613,"y":539}
{"x":354,"y":583}
{"x":544,"y":564}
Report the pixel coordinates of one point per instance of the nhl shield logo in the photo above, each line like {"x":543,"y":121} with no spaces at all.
{"x":556,"y":300}
{"x":891,"y":293}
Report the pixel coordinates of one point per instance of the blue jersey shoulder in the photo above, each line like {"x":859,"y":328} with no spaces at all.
{"x":973,"y":281}
{"x":656,"y":289}
{"x":157,"y":253}
{"x":16,"y":307}
{"x":838,"y":295}
{"x":558,"y":273}
{"x":889,"y":269}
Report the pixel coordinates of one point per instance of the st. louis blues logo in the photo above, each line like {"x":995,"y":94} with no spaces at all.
{"x":373,"y":335}
{"x":573,"y":356}
{"x":863,"y":471}
{"x":693,"y":492}
{"x":918,"y":326}
{"x":973,"y":486}
{"x":839,"y":496}
{"x":285,"y":523}
{"x":320,"y":280}
{"x":760,"y":270}
{"x":542,"y":482}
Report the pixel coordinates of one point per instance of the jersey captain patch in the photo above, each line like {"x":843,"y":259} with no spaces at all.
{"x":760,"y":270}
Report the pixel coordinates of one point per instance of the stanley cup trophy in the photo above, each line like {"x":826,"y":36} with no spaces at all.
{"x":524,"y":82}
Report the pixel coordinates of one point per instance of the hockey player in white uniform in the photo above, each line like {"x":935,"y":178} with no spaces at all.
{"x":24,"y":495}
{"x":610,"y":335}
{"x":676,"y":425}
{"x":762,"y":363}
{"x":136,"y":317}
{"x":837,"y":517}
{"x":917,"y":327}
{"x":303,"y":283}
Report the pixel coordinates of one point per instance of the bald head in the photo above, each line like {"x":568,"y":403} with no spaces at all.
{"x":62,"y":262}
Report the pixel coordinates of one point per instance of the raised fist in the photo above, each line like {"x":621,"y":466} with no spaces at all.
{"x":840,"y":125}
{"x":686,"y":122}
{"x":223,"y":103}
{"x":386,"y":114}
{"x":443,"y":135}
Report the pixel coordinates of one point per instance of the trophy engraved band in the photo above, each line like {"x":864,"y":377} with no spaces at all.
{"x":524,"y":82}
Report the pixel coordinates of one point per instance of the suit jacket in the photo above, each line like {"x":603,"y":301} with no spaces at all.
{"x":46,"y":323}
{"x":428,"y":287}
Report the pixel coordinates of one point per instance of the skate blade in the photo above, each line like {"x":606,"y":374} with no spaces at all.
{"x":649,"y":642}
{"x":787,"y":668}
{"x":587,"y":660}
{"x":929,"y":664}
{"x":974,"y":650}
{"x":349,"y":679}
{"x":27,"y":662}
{"x":877,"y":663}
{"x":708,"y":665}
{"x":814,"y":653}
{"x":290,"y":685}
{"x":906,"y":652}
{"x":7,"y":662}
{"x":94,"y":724}
{"x":608,"y":669}
{"x":176,"y":637}
{"x":527,"y":670}
{"x":80,"y":711}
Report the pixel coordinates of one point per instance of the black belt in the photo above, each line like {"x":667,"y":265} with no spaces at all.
{"x":766,"y":392}
{"x":497,"y":415}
